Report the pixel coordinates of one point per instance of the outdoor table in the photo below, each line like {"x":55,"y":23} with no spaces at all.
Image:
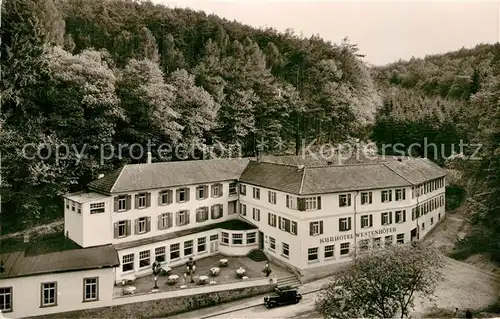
{"x":129,"y":290}
{"x":203,"y":280}
{"x":214,"y":271}
{"x":241,"y":272}
{"x":223,"y":262}
{"x":172,"y":279}
{"x":167,"y":270}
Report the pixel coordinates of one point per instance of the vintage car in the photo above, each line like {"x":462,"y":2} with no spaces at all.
{"x":282,"y":296}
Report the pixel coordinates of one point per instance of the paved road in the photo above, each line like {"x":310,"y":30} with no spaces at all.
{"x":464,"y":286}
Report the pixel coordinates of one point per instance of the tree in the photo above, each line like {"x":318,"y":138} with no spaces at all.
{"x":382,"y":283}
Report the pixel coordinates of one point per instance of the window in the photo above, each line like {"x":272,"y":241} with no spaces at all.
{"x":79,"y":208}
{"x":363,"y":244}
{"x":329,"y":251}
{"x":201,"y":192}
{"x":165,"y":197}
{"x":345,"y":200}
{"x":144,"y":258}
{"x":141,"y":200}
{"x":141,"y":222}
{"x":217,"y":211}
{"x":400,"y":194}
{"x":432,"y":221}
{"x":400,"y":238}
{"x":182,"y":218}
{"x":175,"y":251}
{"x":225,"y":238}
{"x":243,"y":189}
{"x":316,"y":228}
{"x":202,"y":244}
{"x":165,"y":221}
{"x":5,"y":299}
{"x":290,"y":202}
{"x":388,"y":240}
{"x":217,"y":190}
{"x":400,"y":216}
{"x":49,"y":294}
{"x":232,"y":188}
{"x":423,"y":226}
{"x":256,"y":214}
{"x":243,"y":209}
{"x":386,"y":218}
{"x":312,"y":254}
{"x":188,"y":247}
{"x":73,"y":206}
{"x":127,"y":262}
{"x":67,"y":203}
{"x":96,"y":208}
{"x":122,"y":228}
{"x":202,"y":214}
{"x":90,"y":289}
{"x":413,"y":192}
{"x":414,"y":213}
{"x":366,"y":221}
{"x":311,"y":203}
{"x":272,"y":243}
{"x":237,"y":239}
{"x":285,"y":250}
{"x":366,"y":198}
{"x":293,"y":229}
{"x":345,"y":224}
{"x":182,"y":195}
{"x":271,"y":219}
{"x":256,"y":193}
{"x":386,"y":196}
{"x":439,"y":216}
{"x":282,"y":223}
{"x":160,"y":254}
{"x":377,"y":242}
{"x":272,"y":197}
{"x":251,"y":238}
{"x":344,"y":249}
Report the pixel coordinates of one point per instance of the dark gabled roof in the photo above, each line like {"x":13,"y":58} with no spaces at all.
{"x":19,"y":263}
{"x":233,"y":224}
{"x":136,"y":177}
{"x":285,"y":178}
{"x":343,"y":178}
{"x":417,"y":170}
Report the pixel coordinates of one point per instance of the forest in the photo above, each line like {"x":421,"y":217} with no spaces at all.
{"x":120,"y":72}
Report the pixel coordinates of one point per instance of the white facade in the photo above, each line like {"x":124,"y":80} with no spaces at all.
{"x":58,"y":292}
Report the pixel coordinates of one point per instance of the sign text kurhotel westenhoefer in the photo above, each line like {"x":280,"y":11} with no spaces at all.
{"x":366,"y":234}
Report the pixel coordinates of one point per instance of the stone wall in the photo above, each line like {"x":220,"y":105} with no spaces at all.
{"x":165,"y":307}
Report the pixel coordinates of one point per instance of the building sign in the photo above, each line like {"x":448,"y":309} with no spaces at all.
{"x":366,"y":234}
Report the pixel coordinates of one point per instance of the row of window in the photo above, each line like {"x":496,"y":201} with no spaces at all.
{"x":74,"y":206}
{"x":48,"y":294}
{"x":427,"y":187}
{"x":142,"y":225}
{"x":237,"y":238}
{"x":165,"y":197}
{"x":128,"y":263}
{"x":427,"y":207}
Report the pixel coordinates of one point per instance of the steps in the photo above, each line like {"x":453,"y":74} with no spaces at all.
{"x":257,"y":255}
{"x":288,"y":281}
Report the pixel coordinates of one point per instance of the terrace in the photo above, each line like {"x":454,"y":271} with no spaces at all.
{"x":228,"y":274}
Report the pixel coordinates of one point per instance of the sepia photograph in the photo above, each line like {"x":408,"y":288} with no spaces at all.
{"x":195,"y":159}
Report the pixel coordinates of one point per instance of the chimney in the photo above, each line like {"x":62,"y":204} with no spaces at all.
{"x":100,"y":176}
{"x":149,"y":158}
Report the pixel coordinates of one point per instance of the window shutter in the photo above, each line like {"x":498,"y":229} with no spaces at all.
{"x":187,"y":216}
{"x":170,"y":220}
{"x":340,"y":225}
{"x":321,"y":227}
{"x":311,"y":230}
{"x":136,"y":227}
{"x":159,"y":198}
{"x":269,"y":219}
{"x":287,"y":201}
{"x":148,"y":224}
{"x":287,"y":225}
{"x":319,"y":202}
{"x":404,"y":216}
{"x":206,"y":189}
{"x":128,"y":202}
{"x":148,"y":199}
{"x":116,"y":205}
{"x":115,"y":226}
{"x":370,"y":197}
{"x":371,"y":220}
{"x":390,"y":195}
{"x":348,"y":199}
{"x":349,"y":223}
{"x":212,"y":211}
{"x":301,"y":204}
{"x":221,"y":190}
{"x":221,"y":210}
{"x":198,"y":215}
{"x":129,"y":227}
{"x":187,"y":194}
{"x":159,"y":223}
{"x":269,"y":196}
{"x":279,"y":222}
{"x":390,"y":217}
{"x":404,"y":193}
{"x":197,"y":190}
{"x":136,"y":201}
{"x":170,"y":196}
{"x":178,"y":218}
{"x":178,"y":195}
